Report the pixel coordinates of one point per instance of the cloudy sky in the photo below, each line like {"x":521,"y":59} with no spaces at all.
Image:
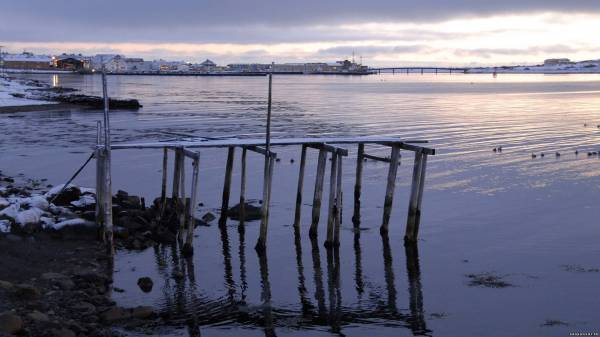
{"x":382,"y":32}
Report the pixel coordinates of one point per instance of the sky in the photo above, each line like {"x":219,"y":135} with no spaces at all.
{"x":378,"y":32}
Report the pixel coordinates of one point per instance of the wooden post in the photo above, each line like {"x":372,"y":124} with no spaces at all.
{"x":176,"y":180}
{"x":391,"y":184}
{"x":98,"y":153}
{"x":163,"y":190}
{"x":416,"y":197}
{"x":182,"y":198}
{"x":316,"y":210}
{"x":188,"y":248}
{"x":332,"y":194}
{"x":243,"y":188}
{"x":338,"y":202}
{"x":107,"y":189}
{"x":358,"y":186}
{"x":227,"y":185}
{"x":261,"y":244}
{"x":300,"y":188}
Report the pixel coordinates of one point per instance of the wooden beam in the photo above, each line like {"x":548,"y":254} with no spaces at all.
{"x":339,"y":203}
{"x":182,"y":197}
{"x":318,"y":193}
{"x":391,"y":185}
{"x":227,"y":185}
{"x":329,"y":148}
{"x":297,"y":215}
{"x":376,"y":158}
{"x":261,"y":244}
{"x":416,"y":198}
{"x":189,"y":245}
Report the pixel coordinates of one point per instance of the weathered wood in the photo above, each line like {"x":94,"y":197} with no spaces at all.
{"x":358,"y":187}
{"x":176,"y":178}
{"x":318,"y":193}
{"x":243,"y":188}
{"x":414,"y":219}
{"x":99,"y":154}
{"x":329,"y":148}
{"x":414,"y":198}
{"x":298,"y":213}
{"x":193,"y":195}
{"x":108,"y":214}
{"x":261,"y":244}
{"x":182,"y":198}
{"x":332,"y":194}
{"x":163,"y":190}
{"x":338,"y":203}
{"x":376,"y":158}
{"x":227,"y":185}
{"x":391,"y":185}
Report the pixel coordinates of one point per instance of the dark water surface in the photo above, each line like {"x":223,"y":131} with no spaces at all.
{"x":534,"y":222}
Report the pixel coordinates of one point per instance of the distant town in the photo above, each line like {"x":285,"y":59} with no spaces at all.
{"x":120,"y":64}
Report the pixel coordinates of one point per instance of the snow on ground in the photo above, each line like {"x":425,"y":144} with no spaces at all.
{"x":8,"y":87}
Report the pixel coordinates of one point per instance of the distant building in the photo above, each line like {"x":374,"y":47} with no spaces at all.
{"x":72,"y":62}
{"x":27,"y":61}
{"x":557,"y":62}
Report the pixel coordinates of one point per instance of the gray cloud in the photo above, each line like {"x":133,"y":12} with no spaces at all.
{"x":240,"y":20}
{"x":535,"y":50}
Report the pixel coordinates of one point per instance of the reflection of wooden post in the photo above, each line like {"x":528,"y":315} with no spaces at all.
{"x":243,"y":188}
{"x":416,"y":197}
{"x":316,"y":210}
{"x":358,"y":186}
{"x":300,"y":187}
{"x":227,"y":185}
{"x":188,"y":247}
{"x":163,"y":190}
{"x":338,"y":202}
{"x":332,"y":193}
{"x":417,"y":324}
{"x":391,"y":184}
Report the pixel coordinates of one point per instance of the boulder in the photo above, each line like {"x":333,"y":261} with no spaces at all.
{"x":10,"y":323}
{"x":70,"y":194}
{"x":145,"y":284}
{"x":251,"y":212}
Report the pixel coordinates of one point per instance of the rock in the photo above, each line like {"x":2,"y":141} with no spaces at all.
{"x":65,"y":284}
{"x":115,"y":314}
{"x":52,"y":276}
{"x":10,"y":323}
{"x":70,"y":194}
{"x":37,"y":316}
{"x":85,"y":308}
{"x":6,"y":285}
{"x":27,"y":292}
{"x":251,"y":212}
{"x":142,"y":312}
{"x":62,"y":332}
{"x":146,"y":284}
{"x":208,"y":217}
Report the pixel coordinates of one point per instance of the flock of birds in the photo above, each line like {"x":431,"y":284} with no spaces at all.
{"x":556,"y":154}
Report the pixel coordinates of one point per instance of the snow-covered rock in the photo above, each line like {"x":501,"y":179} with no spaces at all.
{"x":37,"y":201}
{"x":30,"y":216}
{"x":11,"y":211}
{"x":4,"y":226}
{"x":84,"y":201}
{"x":4,"y":202}
{"x":73,"y":222}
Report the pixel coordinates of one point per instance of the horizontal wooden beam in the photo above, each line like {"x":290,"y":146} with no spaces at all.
{"x":260,"y":150}
{"x":377,"y":158}
{"x":410,"y":147}
{"x":329,"y":148}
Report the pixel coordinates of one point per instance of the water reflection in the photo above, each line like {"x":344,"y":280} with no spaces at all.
{"x":186,"y":303}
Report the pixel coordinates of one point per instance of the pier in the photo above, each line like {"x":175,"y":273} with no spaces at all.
{"x":333,"y":148}
{"x":422,"y":70}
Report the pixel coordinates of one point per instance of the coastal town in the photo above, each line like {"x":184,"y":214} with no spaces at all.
{"x":120,"y":64}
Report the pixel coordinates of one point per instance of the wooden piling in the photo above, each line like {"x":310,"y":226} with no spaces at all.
{"x":163,"y":190}
{"x":176,"y":180}
{"x":332,"y":194}
{"x":261,"y":244}
{"x":339,"y":202}
{"x":98,"y":154}
{"x":358,"y":186}
{"x":243,"y":188}
{"x":300,"y":188}
{"x":416,"y":197}
{"x":391,"y":184}
{"x":227,"y":185}
{"x":316,"y":210}
{"x":191,"y":220}
{"x":182,"y":197}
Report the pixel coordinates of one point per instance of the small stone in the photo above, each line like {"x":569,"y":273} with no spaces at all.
{"x":10,"y":323}
{"x":145,"y":284}
{"x":63,"y":332}
{"x":65,"y":284}
{"x":208,"y":217}
{"x":6,"y":285}
{"x":27,"y":292}
{"x":142,"y":312}
{"x":85,"y":308}
{"x":38,"y":316}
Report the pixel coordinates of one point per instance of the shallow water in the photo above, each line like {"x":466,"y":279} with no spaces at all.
{"x":505,"y":213}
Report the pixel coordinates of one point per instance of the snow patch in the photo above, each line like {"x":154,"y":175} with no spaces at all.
{"x":72,"y":222}
{"x":85,"y":200}
{"x":30,"y":216}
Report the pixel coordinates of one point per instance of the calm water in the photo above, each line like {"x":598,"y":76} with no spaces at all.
{"x":521,"y":218}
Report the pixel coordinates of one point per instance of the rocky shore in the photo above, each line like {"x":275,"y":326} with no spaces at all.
{"x":56,"y":275}
{"x":36,"y":91}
